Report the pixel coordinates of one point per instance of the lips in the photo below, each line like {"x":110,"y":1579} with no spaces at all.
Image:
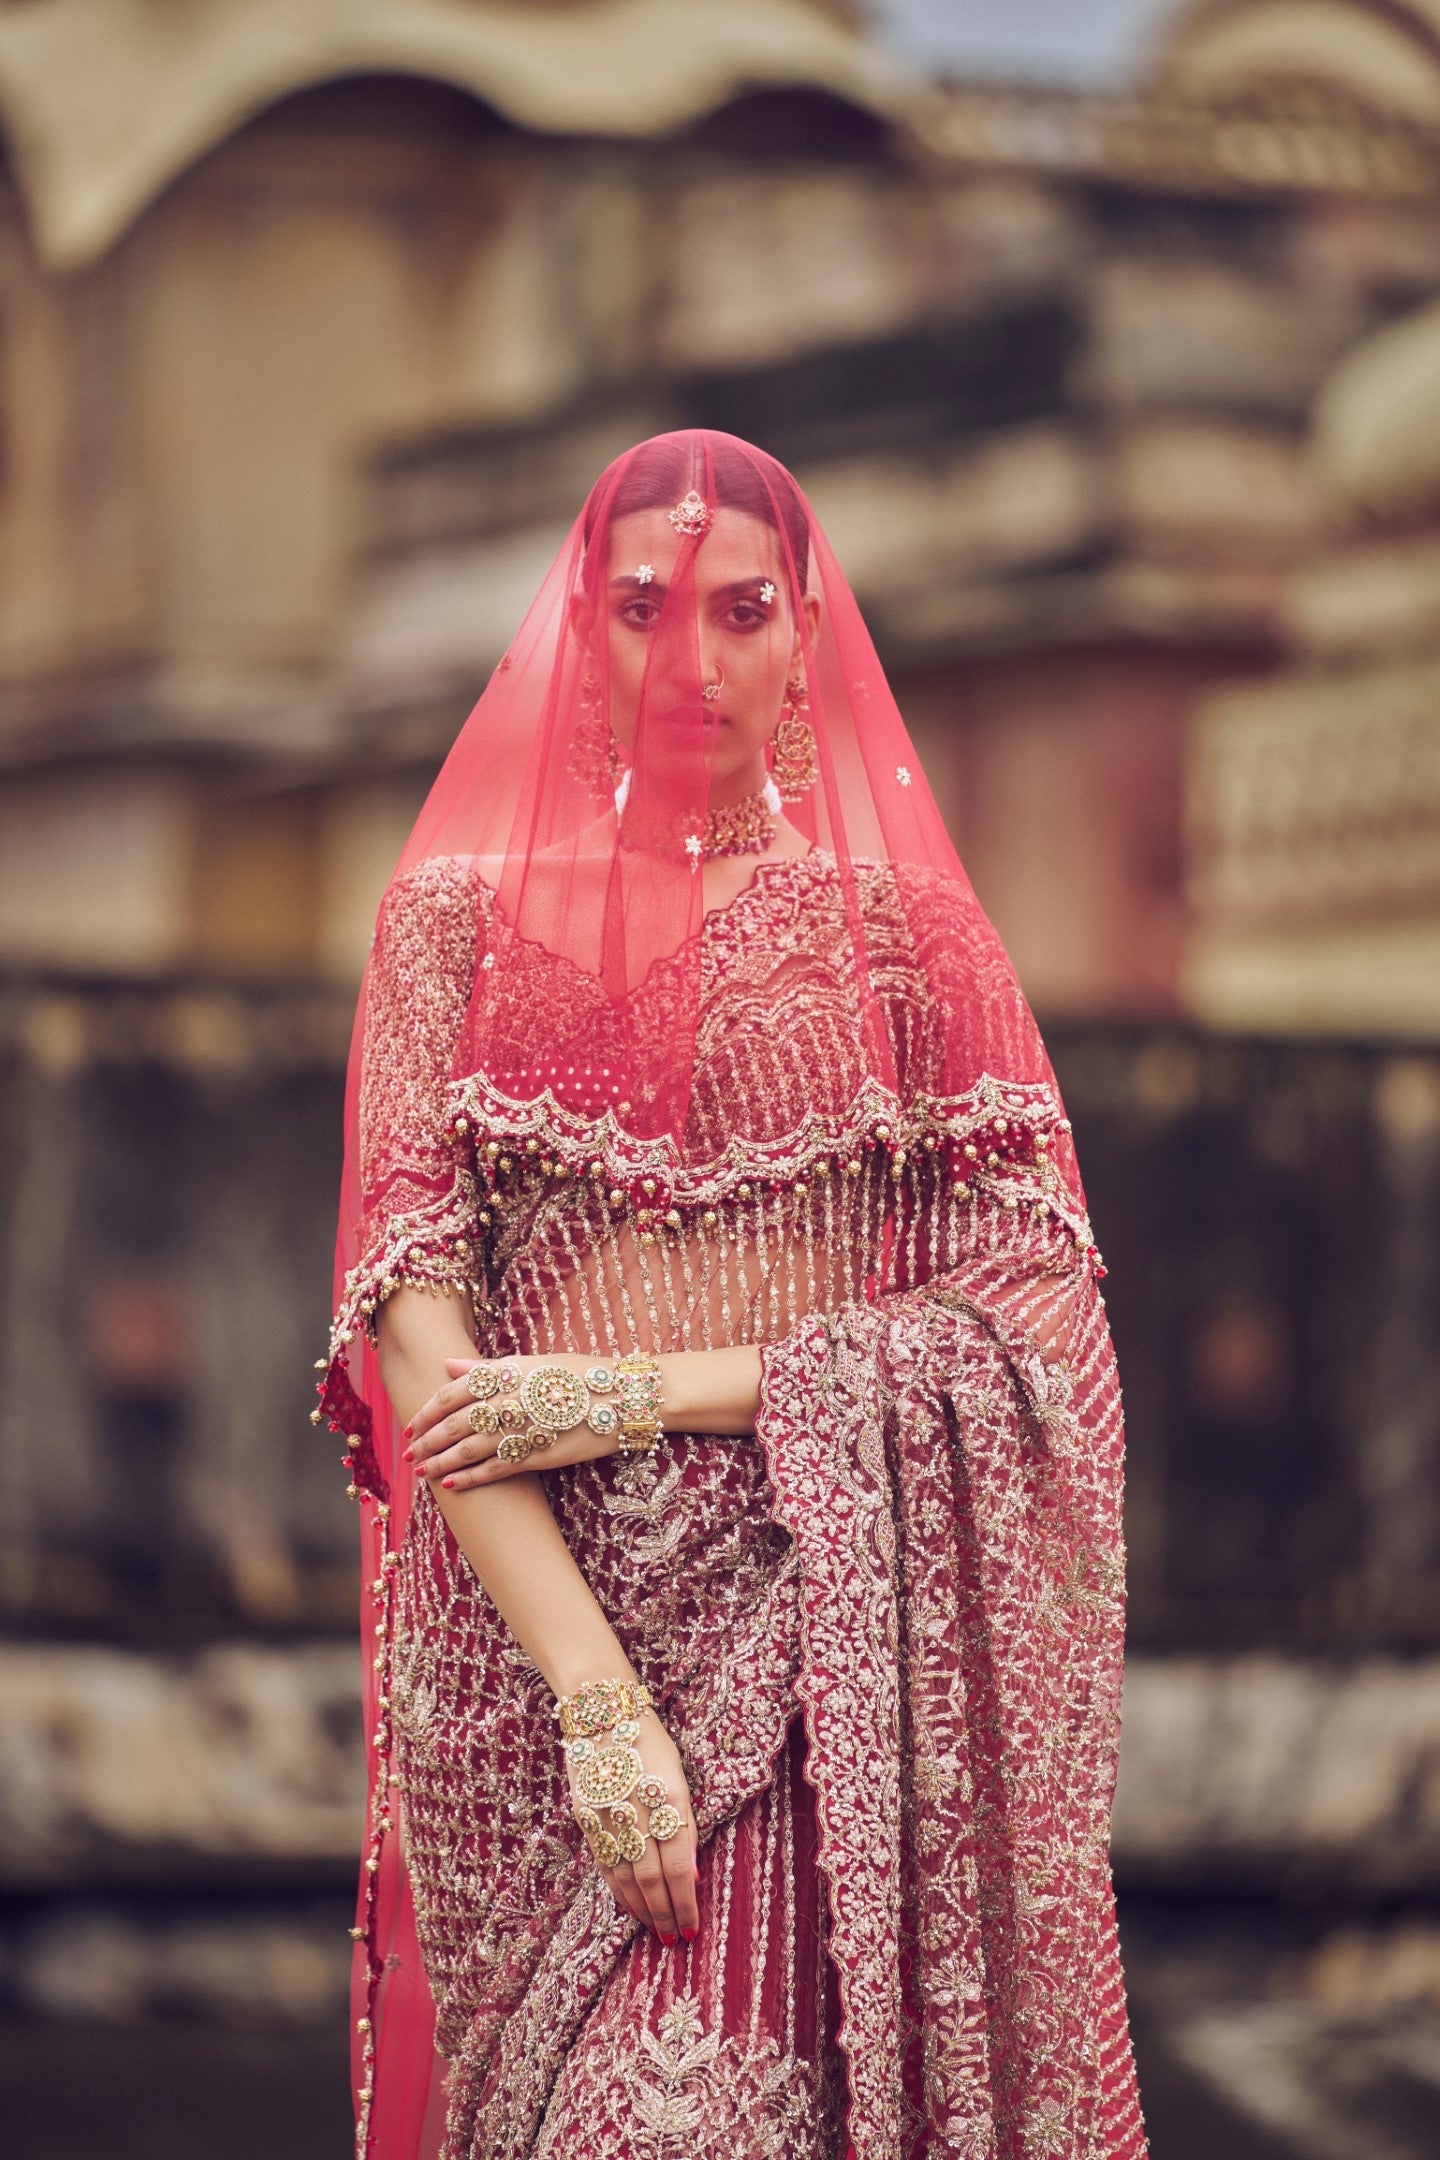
{"x":682,"y":730}
{"x":696,"y":712}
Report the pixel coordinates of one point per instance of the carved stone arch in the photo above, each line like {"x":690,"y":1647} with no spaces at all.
{"x":1379,"y":57}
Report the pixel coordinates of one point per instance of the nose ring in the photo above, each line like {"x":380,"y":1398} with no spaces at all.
{"x":712,"y":689}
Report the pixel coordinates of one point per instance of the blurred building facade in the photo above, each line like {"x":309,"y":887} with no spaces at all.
{"x":1123,"y":414}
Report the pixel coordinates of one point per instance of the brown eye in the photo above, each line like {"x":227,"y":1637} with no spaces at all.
{"x":639,"y":613}
{"x":747,"y":615}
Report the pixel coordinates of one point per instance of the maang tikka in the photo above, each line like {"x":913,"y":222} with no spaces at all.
{"x":795,"y":766}
{"x":595,"y":760}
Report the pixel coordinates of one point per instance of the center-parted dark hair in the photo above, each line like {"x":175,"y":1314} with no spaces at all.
{"x":739,"y":477}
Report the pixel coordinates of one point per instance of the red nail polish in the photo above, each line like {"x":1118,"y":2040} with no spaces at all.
{"x":689,"y":1933}
{"x":669,"y":1941}
{"x":406,"y":1432}
{"x":409,"y":1455}
{"x":448,"y":1483}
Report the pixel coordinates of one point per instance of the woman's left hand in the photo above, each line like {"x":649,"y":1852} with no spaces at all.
{"x":705,"y":1391}
{"x":444,"y":1447}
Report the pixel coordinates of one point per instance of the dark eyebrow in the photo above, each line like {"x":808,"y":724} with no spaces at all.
{"x":656,"y":586}
{"x":744,"y":585}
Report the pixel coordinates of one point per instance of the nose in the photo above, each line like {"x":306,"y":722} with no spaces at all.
{"x":690,"y":660}
{"x":712,"y":668}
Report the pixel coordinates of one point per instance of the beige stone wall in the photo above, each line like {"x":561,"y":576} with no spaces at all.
{"x":93,"y":869}
{"x":186,"y":416}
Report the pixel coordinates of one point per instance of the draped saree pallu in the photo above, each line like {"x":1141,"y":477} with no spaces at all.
{"x":613,"y":1107}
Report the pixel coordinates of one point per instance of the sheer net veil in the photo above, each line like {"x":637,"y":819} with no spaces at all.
{"x":692,"y":710}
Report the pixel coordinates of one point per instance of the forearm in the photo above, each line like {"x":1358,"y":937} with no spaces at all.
{"x":711,"y":1391}
{"x":506,"y":1531}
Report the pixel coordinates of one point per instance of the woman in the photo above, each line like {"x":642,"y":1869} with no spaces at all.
{"x":724,"y":1375}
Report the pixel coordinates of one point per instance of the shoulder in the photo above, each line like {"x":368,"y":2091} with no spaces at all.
{"x":434,"y":912}
{"x":445,"y":881}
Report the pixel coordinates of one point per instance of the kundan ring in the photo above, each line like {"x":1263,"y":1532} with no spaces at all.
{"x":484,"y":1381}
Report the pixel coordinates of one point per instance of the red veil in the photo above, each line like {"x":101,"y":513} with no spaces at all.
{"x":541,"y":1040}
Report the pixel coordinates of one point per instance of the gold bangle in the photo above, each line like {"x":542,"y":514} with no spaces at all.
{"x":600,"y":1705}
{"x":638,"y":1399}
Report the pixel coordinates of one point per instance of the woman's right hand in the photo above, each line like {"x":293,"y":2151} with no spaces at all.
{"x":659,"y":1887}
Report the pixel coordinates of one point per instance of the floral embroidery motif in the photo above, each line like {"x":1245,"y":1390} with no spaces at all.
{"x":904,"y":775}
{"x":681,"y":2089}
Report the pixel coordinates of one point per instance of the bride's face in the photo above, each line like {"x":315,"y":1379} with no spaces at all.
{"x":732,"y":627}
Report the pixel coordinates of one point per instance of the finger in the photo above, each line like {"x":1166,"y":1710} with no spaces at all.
{"x":466,"y":1454}
{"x":491,"y":1472}
{"x":424,"y":1417}
{"x":451,"y":1430}
{"x":435,"y":1407}
{"x":446,"y":1400}
{"x":677,"y":1859}
{"x":486,"y":1473}
{"x":622,"y":1883}
{"x":563,"y":1453}
{"x":650,"y":1882}
{"x":494,"y":1467}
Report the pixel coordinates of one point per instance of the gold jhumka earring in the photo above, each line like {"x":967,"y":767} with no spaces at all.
{"x":795,"y":767}
{"x":595,"y":758}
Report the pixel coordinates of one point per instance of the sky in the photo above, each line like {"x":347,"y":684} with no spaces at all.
{"x":1094,"y":42}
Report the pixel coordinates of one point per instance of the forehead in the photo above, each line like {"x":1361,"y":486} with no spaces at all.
{"x":736,"y":546}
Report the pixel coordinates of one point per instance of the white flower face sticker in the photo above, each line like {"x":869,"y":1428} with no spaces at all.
{"x":767,"y":592}
{"x":902,"y":774}
{"x":645,"y":573}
